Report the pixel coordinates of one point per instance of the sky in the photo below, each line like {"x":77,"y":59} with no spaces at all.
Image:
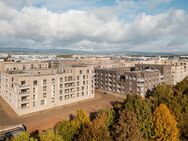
{"x":95,"y":25}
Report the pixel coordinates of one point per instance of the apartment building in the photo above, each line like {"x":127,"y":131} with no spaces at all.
{"x":127,"y":80}
{"x":179,"y":69}
{"x":33,"y":90}
{"x":165,"y":70}
{"x":29,"y":65}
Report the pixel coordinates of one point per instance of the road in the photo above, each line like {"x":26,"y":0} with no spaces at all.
{"x":48,"y":118}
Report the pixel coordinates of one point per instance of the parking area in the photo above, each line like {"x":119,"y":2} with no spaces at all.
{"x":48,"y":118}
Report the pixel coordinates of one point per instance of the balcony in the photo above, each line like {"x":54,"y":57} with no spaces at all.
{"x":109,"y":84}
{"x":69,"y":85}
{"x":141,"y":80}
{"x":25,"y":100}
{"x":24,"y":86}
{"x":22,"y":92}
{"x":140,"y":84}
{"x":161,"y":77}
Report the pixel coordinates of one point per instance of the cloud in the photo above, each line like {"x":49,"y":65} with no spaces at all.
{"x":83,"y":30}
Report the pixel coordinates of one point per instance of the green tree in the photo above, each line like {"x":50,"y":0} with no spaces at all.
{"x":126,"y":129}
{"x":82,"y":118}
{"x":49,"y":136}
{"x":176,"y":98}
{"x":165,"y":125}
{"x":96,"y":131}
{"x":143,"y":111}
{"x":67,"y":129}
{"x":110,"y":116}
{"x":23,"y":136}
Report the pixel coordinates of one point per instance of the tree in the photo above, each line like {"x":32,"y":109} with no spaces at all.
{"x":49,"y":136}
{"x":23,"y":136}
{"x":110,"y":116}
{"x":126,"y":129}
{"x":176,"y":98}
{"x":69,"y":130}
{"x":165,"y":125}
{"x":142,"y":108}
{"x":96,"y":131}
{"x":82,"y":118}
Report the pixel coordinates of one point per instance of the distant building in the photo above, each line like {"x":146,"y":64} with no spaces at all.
{"x":165,"y":70}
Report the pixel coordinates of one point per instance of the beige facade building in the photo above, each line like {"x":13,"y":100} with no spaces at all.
{"x":31,"y":90}
{"x":32,"y":65}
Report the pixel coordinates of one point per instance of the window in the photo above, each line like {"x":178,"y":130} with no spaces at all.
{"x":72,"y":96}
{"x":53,"y":93}
{"x":78,"y":77}
{"x":22,"y":82}
{"x":61,"y":98}
{"x":34,"y":90}
{"x":53,"y":80}
{"x":61,"y":79}
{"x":83,"y":76}
{"x":69,"y":78}
{"x":44,"y":88}
{"x":82,"y":87}
{"x":65,"y":78}
{"x":42,"y":102}
{"x":35,"y":82}
{"x":84,"y":82}
{"x":87,"y":71}
{"x":23,"y":98}
{"x":44,"y":95}
{"x":23,"y":106}
{"x":82,"y":93}
{"x":130,"y":82}
{"x":44,"y":81}
{"x":80,"y":71}
{"x":53,"y":86}
{"x":33,"y":97}
{"x":61,"y":92}
{"x":33,"y":104}
{"x":24,"y":91}
{"x":66,"y":97}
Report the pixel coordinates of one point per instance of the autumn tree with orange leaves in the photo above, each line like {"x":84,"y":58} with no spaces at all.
{"x":165,"y":125}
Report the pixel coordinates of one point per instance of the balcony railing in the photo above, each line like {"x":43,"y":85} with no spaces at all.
{"x":140,"y":80}
{"x":24,"y":86}
{"x":25,"y":92}
{"x":24,"y":100}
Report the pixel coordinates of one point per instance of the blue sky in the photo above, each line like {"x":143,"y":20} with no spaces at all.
{"x":93,"y":25}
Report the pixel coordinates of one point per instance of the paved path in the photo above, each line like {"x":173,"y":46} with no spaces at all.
{"x":48,"y":118}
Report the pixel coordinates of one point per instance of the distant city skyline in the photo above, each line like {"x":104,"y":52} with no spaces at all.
{"x":95,"y":25}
